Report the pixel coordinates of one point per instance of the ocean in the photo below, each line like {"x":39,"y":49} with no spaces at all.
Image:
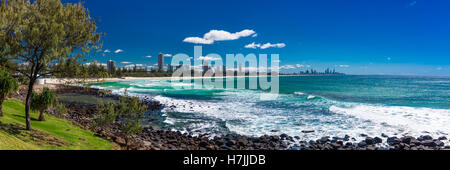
{"x":328,"y":105}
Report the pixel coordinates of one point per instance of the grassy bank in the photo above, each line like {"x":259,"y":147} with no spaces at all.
{"x":52,"y":134}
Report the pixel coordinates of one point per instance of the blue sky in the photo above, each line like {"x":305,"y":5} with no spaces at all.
{"x":402,"y":37}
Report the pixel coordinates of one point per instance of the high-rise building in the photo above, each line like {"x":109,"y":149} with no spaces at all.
{"x":111,"y":66}
{"x":169,"y":68}
{"x":240,"y":68}
{"x":161,"y":62}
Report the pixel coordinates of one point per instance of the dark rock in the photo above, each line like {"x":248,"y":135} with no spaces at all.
{"x":120,"y":141}
{"x":275,"y":138}
{"x":283,"y":136}
{"x":346,"y":138}
{"x":439,"y":143}
{"x":308,"y":131}
{"x":384,"y":135}
{"x":363,"y":135}
{"x":243,"y":142}
{"x":362,"y":144}
{"x":442,"y":138}
{"x":393,"y":141}
{"x":424,"y":138}
{"x":370,"y":141}
{"x":377,"y":140}
{"x":324,"y":139}
{"x":407,"y":139}
{"x":203,"y":144}
{"x":429,"y":143}
{"x":231,"y":142}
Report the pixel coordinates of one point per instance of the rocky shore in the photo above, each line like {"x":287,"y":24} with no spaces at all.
{"x":164,"y":139}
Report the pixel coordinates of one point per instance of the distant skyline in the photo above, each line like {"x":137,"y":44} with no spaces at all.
{"x":395,"y":37}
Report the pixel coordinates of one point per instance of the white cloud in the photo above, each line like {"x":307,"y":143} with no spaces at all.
{"x":286,"y":67}
{"x":439,"y":68}
{"x":276,"y":61}
{"x":167,"y":55}
{"x":206,"y":58}
{"x":254,"y":35}
{"x":118,"y":51}
{"x":265,"y":46}
{"x":269,"y":45}
{"x":148,"y":56}
{"x":219,"y":35}
{"x":343,"y":66}
{"x":107,"y":51}
{"x":125,"y":62}
{"x":253,"y":45}
{"x":299,"y":65}
{"x":198,"y":40}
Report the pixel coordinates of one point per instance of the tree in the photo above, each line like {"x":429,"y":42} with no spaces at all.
{"x":38,"y":33}
{"x":7,"y":85}
{"x":42,"y":102}
{"x":126,"y":115}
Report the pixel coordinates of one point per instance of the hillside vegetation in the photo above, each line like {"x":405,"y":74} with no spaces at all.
{"x":52,"y":134}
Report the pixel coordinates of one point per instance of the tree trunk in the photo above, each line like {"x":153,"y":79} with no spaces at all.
{"x":28,"y":104}
{"x":41,"y":116}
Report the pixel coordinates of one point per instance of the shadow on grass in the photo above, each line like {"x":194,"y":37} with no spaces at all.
{"x":33,"y":119}
{"x":39,"y":137}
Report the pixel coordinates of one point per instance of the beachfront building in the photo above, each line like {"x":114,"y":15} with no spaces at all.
{"x":111,"y":66}
{"x":161,"y":62}
{"x":240,"y":68}
{"x":169,"y":68}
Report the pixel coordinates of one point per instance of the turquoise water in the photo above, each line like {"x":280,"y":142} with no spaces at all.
{"x":329,"y":105}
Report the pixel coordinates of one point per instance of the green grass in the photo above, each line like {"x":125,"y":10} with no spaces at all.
{"x":52,"y":134}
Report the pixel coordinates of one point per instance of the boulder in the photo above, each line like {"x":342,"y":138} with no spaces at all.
{"x":442,"y":138}
{"x":424,"y":138}
{"x":120,"y":141}
{"x":377,"y":140}
{"x":370,"y":141}
{"x":429,"y":143}
{"x":407,"y":139}
{"x":393,"y":141}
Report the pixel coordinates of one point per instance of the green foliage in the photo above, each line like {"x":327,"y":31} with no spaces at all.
{"x":71,"y":136}
{"x":130,"y":112}
{"x":7,"y":85}
{"x":39,"y":33}
{"x":59,"y":109}
{"x":127,"y":115}
{"x":106,"y":115}
{"x":43,"y":101}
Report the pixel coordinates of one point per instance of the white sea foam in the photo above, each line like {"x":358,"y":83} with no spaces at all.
{"x":243,"y":113}
{"x":299,"y":93}
{"x":406,"y":120}
{"x":311,"y":97}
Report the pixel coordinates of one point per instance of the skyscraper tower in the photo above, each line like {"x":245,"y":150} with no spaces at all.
{"x":111,"y":66}
{"x":161,"y":62}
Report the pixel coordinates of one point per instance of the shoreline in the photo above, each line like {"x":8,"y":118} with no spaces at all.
{"x":63,"y":81}
{"x":164,"y":139}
